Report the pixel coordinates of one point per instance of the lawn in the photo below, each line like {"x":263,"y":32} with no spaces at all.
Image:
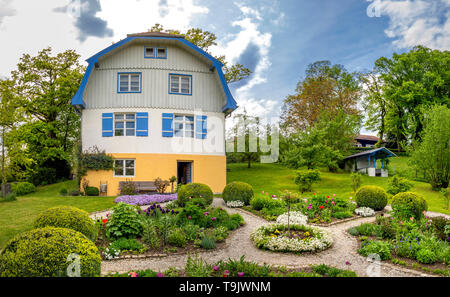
{"x":274,"y":179}
{"x":18,"y":216}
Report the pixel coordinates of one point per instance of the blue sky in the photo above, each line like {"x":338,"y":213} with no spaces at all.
{"x":276,"y":39}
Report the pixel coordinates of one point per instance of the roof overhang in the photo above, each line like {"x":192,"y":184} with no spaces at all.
{"x":78,"y":101}
{"x":373,"y":153}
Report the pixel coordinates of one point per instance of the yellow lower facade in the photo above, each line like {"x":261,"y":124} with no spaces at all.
{"x":209,"y":170}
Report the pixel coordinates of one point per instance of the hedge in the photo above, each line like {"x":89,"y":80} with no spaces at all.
{"x":238,"y":191}
{"x":195,"y":190}
{"x":372,"y":196}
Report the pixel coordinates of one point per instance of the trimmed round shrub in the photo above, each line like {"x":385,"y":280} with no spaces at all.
{"x":412,"y":203}
{"x":23,"y":188}
{"x":67,"y":217}
{"x":45,"y":252}
{"x":92,"y":191}
{"x":238,"y":191}
{"x":372,"y":196}
{"x":195,"y":190}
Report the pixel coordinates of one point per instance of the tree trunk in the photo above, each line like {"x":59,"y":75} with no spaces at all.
{"x":249,"y":160}
{"x":3,"y":164}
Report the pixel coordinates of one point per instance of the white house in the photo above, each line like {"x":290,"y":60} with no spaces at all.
{"x":157,"y":103}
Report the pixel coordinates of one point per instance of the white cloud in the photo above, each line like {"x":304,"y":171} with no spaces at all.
{"x":416,"y":22}
{"x":134,"y":16}
{"x":6,"y":10}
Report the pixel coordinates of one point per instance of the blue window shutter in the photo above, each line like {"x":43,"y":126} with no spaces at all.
{"x":107,"y":125}
{"x":167,"y":124}
{"x":142,"y":124}
{"x":201,"y":129}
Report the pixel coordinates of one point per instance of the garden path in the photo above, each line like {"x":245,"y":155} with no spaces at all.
{"x":343,"y":250}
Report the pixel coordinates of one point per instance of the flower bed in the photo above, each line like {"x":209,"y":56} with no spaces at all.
{"x":295,"y":218}
{"x":299,"y":239}
{"x":365,"y":211}
{"x":141,"y":200}
{"x":235,"y":204}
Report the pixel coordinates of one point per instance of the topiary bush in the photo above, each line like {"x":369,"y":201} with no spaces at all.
{"x":372,"y":196}
{"x":238,"y":191}
{"x":23,"y":188}
{"x":67,"y":217}
{"x":410,"y":204}
{"x":45,"y":251}
{"x":92,"y":191}
{"x":195,"y":190}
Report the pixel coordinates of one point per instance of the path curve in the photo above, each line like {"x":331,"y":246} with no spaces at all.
{"x":239,"y":243}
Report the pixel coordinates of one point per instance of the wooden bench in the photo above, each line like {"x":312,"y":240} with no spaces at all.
{"x":147,"y":186}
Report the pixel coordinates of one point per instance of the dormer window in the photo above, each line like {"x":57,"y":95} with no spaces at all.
{"x":155,"y":53}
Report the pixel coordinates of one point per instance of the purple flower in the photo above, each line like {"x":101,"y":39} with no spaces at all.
{"x":206,"y":213}
{"x":159,"y":274}
{"x":214,"y":218}
{"x":141,"y":200}
{"x":216,"y":268}
{"x":348,"y":263}
{"x":240,"y":274}
{"x":189,"y":217}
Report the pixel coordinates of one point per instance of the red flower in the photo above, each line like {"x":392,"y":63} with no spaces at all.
{"x":321,"y":207}
{"x":104,"y":221}
{"x":328,"y":196}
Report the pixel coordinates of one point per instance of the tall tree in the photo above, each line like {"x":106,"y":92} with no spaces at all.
{"x":45,"y":85}
{"x":374,"y":102}
{"x":410,"y":82}
{"x":204,"y":40}
{"x":9,"y":117}
{"x":432,"y":154}
{"x":326,"y":88}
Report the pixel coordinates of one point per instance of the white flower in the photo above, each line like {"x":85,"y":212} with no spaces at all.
{"x":295,"y":218}
{"x":365,"y":211}
{"x":320,"y":239}
{"x":235,"y":204}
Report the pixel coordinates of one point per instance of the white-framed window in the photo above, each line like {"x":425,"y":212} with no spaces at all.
{"x":129,"y":82}
{"x":184,"y":126}
{"x":125,"y":168}
{"x":124,"y":124}
{"x":180,"y":84}
{"x":155,"y":52}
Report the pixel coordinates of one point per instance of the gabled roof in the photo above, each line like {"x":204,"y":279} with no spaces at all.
{"x":367,"y":137}
{"x":378,"y":151}
{"x":78,"y":101}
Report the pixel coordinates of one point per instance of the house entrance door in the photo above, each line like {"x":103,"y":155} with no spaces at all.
{"x":184,"y":173}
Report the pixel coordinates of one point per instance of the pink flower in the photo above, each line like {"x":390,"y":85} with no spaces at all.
{"x":159,"y":274}
{"x":334,"y":195}
{"x":189,"y":217}
{"x":351,"y":198}
{"x":348,"y":263}
{"x":206,"y":213}
{"x":411,"y":219}
{"x":309,"y":206}
{"x":216,"y":268}
{"x":262,"y":192}
{"x":214,"y":219}
{"x":240,"y":274}
{"x":333,"y":203}
{"x":133,"y":274}
{"x":326,"y":201}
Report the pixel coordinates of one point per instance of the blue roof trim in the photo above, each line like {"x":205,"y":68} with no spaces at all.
{"x":77,"y":100}
{"x":372,"y":153}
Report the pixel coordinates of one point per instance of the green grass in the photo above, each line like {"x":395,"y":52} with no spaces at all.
{"x":18,"y":216}
{"x":274,"y":179}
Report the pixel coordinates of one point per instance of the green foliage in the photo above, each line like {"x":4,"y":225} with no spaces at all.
{"x":124,"y":222}
{"x":42,"y":146}
{"x":238,"y":191}
{"x":380,"y":248}
{"x":220,"y":233}
{"x":208,"y":242}
{"x":197,"y":267}
{"x":95,"y":159}
{"x":191,"y":231}
{"x":432,"y":155}
{"x":439,"y":226}
{"x":236,"y":217}
{"x":128,"y":188}
{"x":411,"y":204}
{"x":44,"y":252}
{"x":63,"y":192}
{"x":150,"y":234}
{"x":92,"y":191}
{"x":356,"y":181}
{"x":328,"y":271}
{"x":365,"y":229}
{"x":260,"y":202}
{"x":23,"y":188}
{"x":127,"y":244}
{"x":426,"y":256}
{"x":399,"y":185}
{"x":177,"y":237}
{"x":250,"y":269}
{"x":194,"y":190}
{"x":305,"y":179}
{"x":9,"y":197}
{"x":67,"y":217}
{"x":371,"y":196}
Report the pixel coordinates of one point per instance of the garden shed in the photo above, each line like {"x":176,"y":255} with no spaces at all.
{"x":366,"y":162}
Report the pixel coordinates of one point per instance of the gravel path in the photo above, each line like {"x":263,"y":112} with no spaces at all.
{"x":239,"y":243}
